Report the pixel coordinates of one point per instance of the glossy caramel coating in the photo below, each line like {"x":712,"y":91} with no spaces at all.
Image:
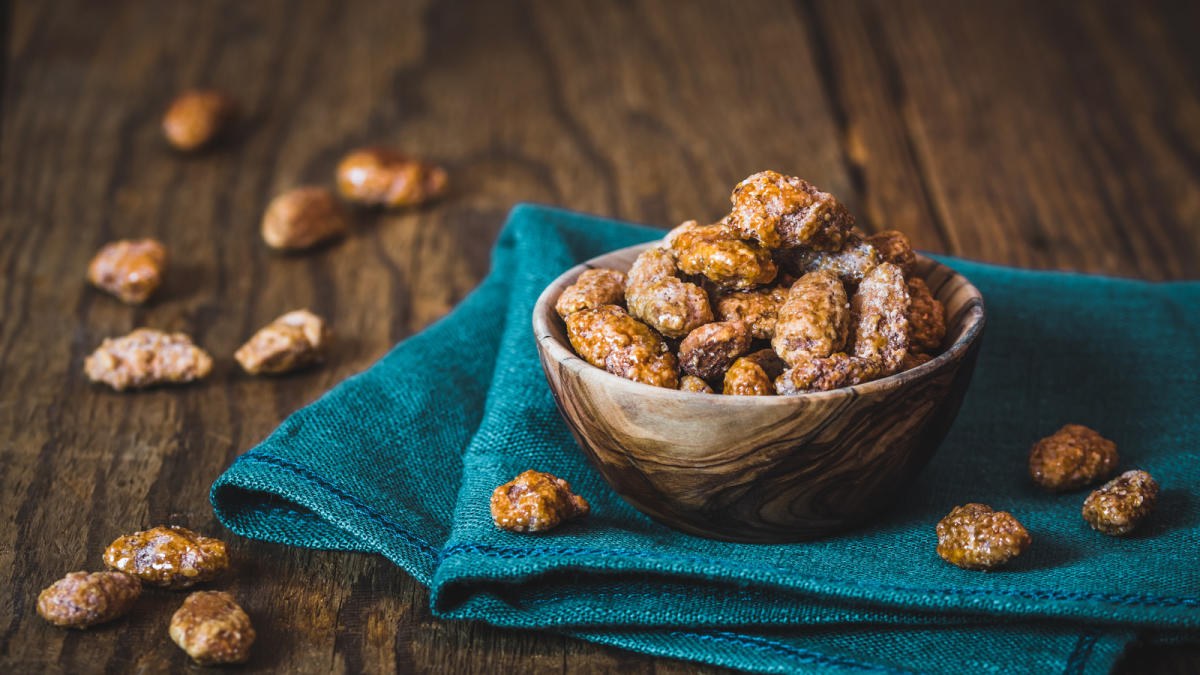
{"x":172,"y":557}
{"x":785,"y":212}
{"x":851,"y":263}
{"x":752,"y":374}
{"x":758,"y":308}
{"x":716,"y":253}
{"x":147,"y":357}
{"x":294,"y":340}
{"x":80,"y":600}
{"x":814,"y":320}
{"x":975,"y":537}
{"x":302,"y":218}
{"x":608,"y":337}
{"x":1120,"y":505}
{"x":592,"y":289}
{"x":383,"y":177}
{"x":893,"y":247}
{"x":825,"y":373}
{"x":212,"y":628}
{"x":708,"y":351}
{"x":694,"y":384}
{"x":879,"y":312}
{"x":1071,"y":458}
{"x":198,"y":117}
{"x":535,"y":501}
{"x":131,"y":269}
{"x":926,"y":318}
{"x":657,"y":296}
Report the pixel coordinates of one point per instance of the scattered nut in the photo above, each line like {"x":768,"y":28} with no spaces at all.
{"x":80,"y":600}
{"x":1118,"y":506}
{"x":174,"y":557}
{"x":1071,"y":458}
{"x":592,"y":289}
{"x":657,"y":296}
{"x":813,"y":321}
{"x":607,"y":337}
{"x":147,"y":357}
{"x":382,"y":177}
{"x":879,"y":312}
{"x":292,"y":341}
{"x":301,"y":218}
{"x":212,"y":629}
{"x":893,"y":247}
{"x":926,"y":318}
{"x":694,"y":384}
{"x":752,"y":374}
{"x":535,"y":502}
{"x":708,"y":351}
{"x":131,"y":269}
{"x":974,"y":537}
{"x":785,"y":212}
{"x":198,"y":117}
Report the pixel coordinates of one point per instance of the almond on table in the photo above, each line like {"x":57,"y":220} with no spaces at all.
{"x":302,"y":218}
{"x":294,"y":340}
{"x":212,"y":628}
{"x":198,"y":117}
{"x":147,"y":357}
{"x":172,"y":557}
{"x":383,"y":177}
{"x":81,"y":600}
{"x":131,"y":269}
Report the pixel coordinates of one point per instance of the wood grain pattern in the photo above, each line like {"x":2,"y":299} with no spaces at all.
{"x":792,"y":468}
{"x":1044,"y":134}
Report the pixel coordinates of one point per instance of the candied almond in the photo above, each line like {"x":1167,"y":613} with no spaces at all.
{"x":294,"y":340}
{"x":302,"y":218}
{"x":198,"y":117}
{"x":131,"y":269}
{"x":80,"y":600}
{"x":173,"y":557}
{"x":147,"y":357}
{"x":1071,"y":458}
{"x":535,"y":501}
{"x":975,"y":537}
{"x":383,"y":177}
{"x":212,"y":628}
{"x":1118,"y":506}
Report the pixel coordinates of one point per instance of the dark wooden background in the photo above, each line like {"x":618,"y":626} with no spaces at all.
{"x":1041,"y":134}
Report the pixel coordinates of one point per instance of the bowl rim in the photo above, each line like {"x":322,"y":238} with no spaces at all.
{"x":562,"y":354}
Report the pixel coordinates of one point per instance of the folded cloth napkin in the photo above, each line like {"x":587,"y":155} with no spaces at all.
{"x":401,"y":460}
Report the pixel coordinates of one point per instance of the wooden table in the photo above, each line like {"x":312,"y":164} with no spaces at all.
{"x":1039,"y":134}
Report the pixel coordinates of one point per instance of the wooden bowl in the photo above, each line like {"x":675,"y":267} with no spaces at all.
{"x":762,"y":468}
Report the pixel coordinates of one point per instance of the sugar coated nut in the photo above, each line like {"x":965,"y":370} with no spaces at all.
{"x":785,"y":212}
{"x":292,"y":341}
{"x":656,"y":296}
{"x":535,"y":502}
{"x":607,"y":337}
{"x":303,"y":217}
{"x":1071,"y":458}
{"x":694,"y":384}
{"x":173,"y":557}
{"x":708,"y":351}
{"x":198,"y":117}
{"x":212,"y":629}
{"x":80,"y":600}
{"x":974,"y":537}
{"x":1118,"y":506}
{"x":383,"y":177}
{"x":824,"y":373}
{"x":592,"y":289}
{"x":751,"y":375}
{"x":893,"y":247}
{"x":716,"y":253}
{"x":879,"y":313}
{"x":926,"y":318}
{"x":758,"y":308}
{"x":851,"y":262}
{"x":131,"y":269}
{"x":813,"y":321}
{"x":147,"y":357}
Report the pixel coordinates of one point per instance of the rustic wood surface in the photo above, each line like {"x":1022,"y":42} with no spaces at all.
{"x":1043,"y":134}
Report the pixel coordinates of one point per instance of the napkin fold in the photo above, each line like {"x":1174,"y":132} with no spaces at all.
{"x":401,"y":460}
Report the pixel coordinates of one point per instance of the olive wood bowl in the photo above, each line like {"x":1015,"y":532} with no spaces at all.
{"x":763,"y":469}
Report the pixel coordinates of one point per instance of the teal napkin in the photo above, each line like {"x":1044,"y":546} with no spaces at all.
{"x":401,"y":459}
